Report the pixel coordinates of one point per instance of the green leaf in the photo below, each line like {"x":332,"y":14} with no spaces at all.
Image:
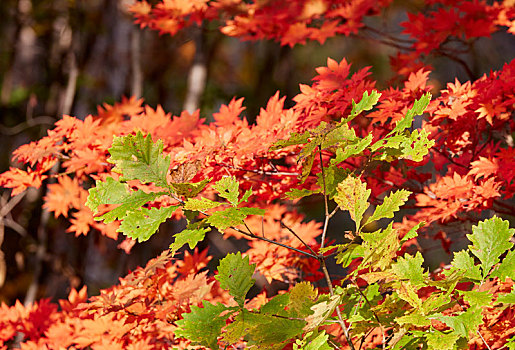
{"x":352,"y":149}
{"x":235,"y":274}
{"x":490,"y":239}
{"x":322,"y":311}
{"x":209,"y":319}
{"x":380,"y":247}
{"x":511,"y":343}
{"x":294,"y":139}
{"x":224,"y":219}
{"x":295,"y":193}
{"x":418,"y":108}
{"x":390,"y":205}
{"x":264,"y":331}
{"x":410,"y":268}
{"x":331,"y":176}
{"x":138,"y":158}
{"x":114,"y":192}
{"x":277,"y":305}
{"x":464,"y":323}
{"x":367,"y":103}
{"x":227,"y":188}
{"x":408,"y":293}
{"x":465,"y":263}
{"x":143,"y":223}
{"x":353,"y":196}
{"x":341,"y":134}
{"x":415,"y":318}
{"x":189,"y":189}
{"x":434,"y":302}
{"x":133,"y":201}
{"x":307,"y":165}
{"x":417,"y":146}
{"x":476,"y":298}
{"x":442,"y":341}
{"x":201,"y":204}
{"x":506,"y":268}
{"x":311,"y":342}
{"x":412,"y":233}
{"x":347,"y":253}
{"x":108,"y":192}
{"x":508,"y":298}
{"x":302,"y":298}
{"x":190,"y":236}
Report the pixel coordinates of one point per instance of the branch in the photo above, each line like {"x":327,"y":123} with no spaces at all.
{"x":251,"y":234}
{"x":322,"y":259}
{"x":296,"y":235}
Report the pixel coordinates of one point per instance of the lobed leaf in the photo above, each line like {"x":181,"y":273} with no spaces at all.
{"x":465,"y":323}
{"x":410,"y":268}
{"x":143,"y":223}
{"x":322,"y":311}
{"x":263,"y":330}
{"x":442,"y":341}
{"x":235,"y":274}
{"x":201,"y":204}
{"x":506,"y":268}
{"x":366,"y":103}
{"x":209,"y":318}
{"x":227,"y":188}
{"x":189,"y":189}
{"x":352,"y":195}
{"x":190,"y":236}
{"x":138,"y":158}
{"x":228,"y":217}
{"x":390,"y":205}
{"x":106,"y":192}
{"x":418,"y":108}
{"x":352,"y":149}
{"x":464,"y":262}
{"x":490,"y":239}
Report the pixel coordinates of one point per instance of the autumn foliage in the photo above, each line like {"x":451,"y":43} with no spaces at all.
{"x":445,"y":155}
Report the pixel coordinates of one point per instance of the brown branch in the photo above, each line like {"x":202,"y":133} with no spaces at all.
{"x":297,"y":236}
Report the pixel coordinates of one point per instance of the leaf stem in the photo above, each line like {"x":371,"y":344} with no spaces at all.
{"x":322,"y":258}
{"x":250,"y":233}
{"x":298,"y":237}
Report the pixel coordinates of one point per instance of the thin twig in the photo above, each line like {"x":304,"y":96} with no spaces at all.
{"x":326,"y":205}
{"x":296,"y":235}
{"x":322,"y":259}
{"x":251,"y":234}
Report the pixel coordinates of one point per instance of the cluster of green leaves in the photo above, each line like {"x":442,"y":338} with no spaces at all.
{"x":137,"y":157}
{"x":389,"y":300}
{"x":275,"y":323}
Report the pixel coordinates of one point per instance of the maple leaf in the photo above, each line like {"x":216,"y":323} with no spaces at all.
{"x":19,"y":180}
{"x":483,"y":167}
{"x":64,"y":195}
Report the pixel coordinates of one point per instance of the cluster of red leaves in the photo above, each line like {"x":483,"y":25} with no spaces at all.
{"x":447,"y":27}
{"x":472,"y":124}
{"x":289,"y":22}
{"x":138,"y":313}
